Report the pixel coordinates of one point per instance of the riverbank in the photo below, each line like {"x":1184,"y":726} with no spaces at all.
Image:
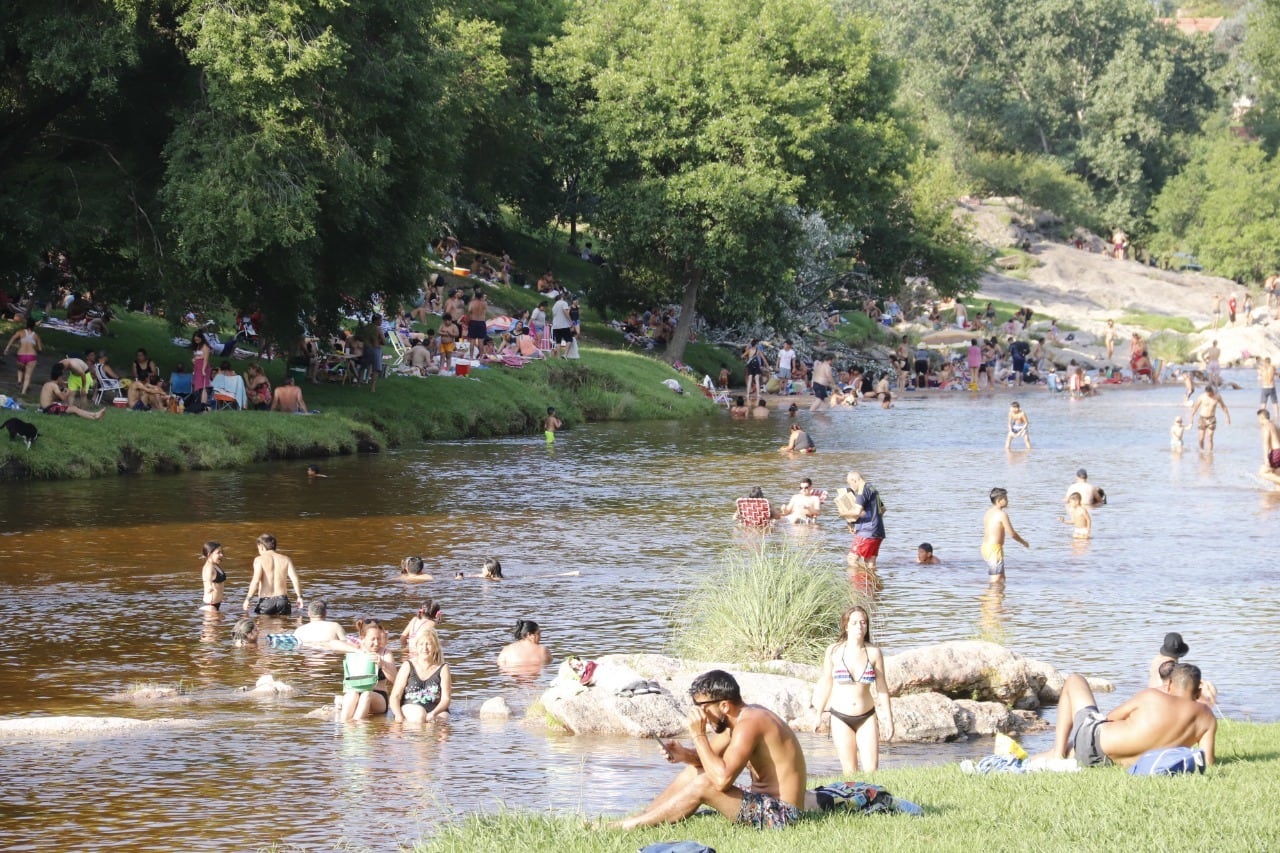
{"x":1092,"y":809}
{"x":604,"y":385}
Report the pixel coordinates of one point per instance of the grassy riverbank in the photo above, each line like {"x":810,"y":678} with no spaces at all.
{"x":603,"y":385}
{"x":1098,"y":809}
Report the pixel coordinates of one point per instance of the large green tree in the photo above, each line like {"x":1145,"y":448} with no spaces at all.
{"x":1098,"y":85}
{"x":712,"y":125}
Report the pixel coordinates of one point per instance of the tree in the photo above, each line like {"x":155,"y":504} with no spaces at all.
{"x":711,"y":122}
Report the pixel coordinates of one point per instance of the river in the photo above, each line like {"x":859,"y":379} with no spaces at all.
{"x":101,"y":583}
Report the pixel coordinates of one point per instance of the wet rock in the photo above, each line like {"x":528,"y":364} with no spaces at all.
{"x":268,"y":686}
{"x":984,"y":718}
{"x":152,"y":694}
{"x":81,"y":726}
{"x":495,"y":709}
{"x":964,"y":669}
{"x":924,"y":718}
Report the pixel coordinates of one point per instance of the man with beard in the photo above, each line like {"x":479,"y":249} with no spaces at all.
{"x":742,"y":736}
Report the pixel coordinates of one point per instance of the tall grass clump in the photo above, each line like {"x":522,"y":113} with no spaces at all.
{"x":1170,"y":347}
{"x":1158,"y":322}
{"x":769,"y":601}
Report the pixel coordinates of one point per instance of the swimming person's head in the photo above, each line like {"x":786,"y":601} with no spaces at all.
{"x":865,"y":621}
{"x":492,"y":569}
{"x":998,"y":494}
{"x":924,"y":551}
{"x":244,"y":632}
{"x":527,"y":628}
{"x":317,"y":609}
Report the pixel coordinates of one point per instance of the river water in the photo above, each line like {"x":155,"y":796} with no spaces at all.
{"x":101,"y":583}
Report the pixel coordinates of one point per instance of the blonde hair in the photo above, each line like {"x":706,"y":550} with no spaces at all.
{"x":427,"y":642}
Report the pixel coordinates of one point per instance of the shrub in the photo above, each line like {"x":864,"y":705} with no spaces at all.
{"x":769,"y":601}
{"x":1170,"y":347}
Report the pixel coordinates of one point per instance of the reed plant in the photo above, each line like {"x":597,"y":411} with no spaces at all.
{"x":1096,"y":809}
{"x":1171,"y":347}
{"x":767,"y":601}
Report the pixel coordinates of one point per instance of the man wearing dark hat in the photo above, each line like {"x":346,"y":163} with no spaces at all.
{"x":1174,"y":649}
{"x":1090,"y":495}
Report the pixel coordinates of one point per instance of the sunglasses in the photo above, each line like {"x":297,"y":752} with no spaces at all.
{"x":706,"y":702}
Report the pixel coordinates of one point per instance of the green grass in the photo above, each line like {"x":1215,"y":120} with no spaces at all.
{"x":1158,"y":322}
{"x":1170,"y":347}
{"x":771,"y":600}
{"x":602,"y":385}
{"x":1098,"y":809}
{"x":857,"y":330}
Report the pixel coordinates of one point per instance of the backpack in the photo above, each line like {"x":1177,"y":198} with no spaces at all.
{"x":1167,"y":762}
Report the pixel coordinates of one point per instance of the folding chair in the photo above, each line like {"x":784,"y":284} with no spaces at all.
{"x":106,"y":385}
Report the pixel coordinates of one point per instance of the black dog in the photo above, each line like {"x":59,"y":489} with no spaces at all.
{"x":21,"y":429}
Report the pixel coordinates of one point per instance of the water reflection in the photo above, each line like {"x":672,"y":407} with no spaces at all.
{"x":640,"y":511}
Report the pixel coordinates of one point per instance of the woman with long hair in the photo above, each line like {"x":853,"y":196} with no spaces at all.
{"x":850,"y":668}
{"x":423,"y":685}
{"x":212,"y":576}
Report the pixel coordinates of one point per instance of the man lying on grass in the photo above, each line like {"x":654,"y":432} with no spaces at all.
{"x":1153,"y":719}
{"x":742,"y":736}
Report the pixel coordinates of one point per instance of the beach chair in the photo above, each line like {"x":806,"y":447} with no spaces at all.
{"x":754,"y":513}
{"x":106,"y":385}
{"x":719,"y":398}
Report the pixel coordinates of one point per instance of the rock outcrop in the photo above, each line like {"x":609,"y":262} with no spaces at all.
{"x":22,"y":727}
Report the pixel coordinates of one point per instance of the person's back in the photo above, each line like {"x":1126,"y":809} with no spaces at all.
{"x":1154,"y":719}
{"x":320,"y":631}
{"x":777,"y":762}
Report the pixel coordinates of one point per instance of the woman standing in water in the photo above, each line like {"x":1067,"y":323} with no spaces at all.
{"x":527,"y":650}
{"x":212,"y":576}
{"x":849,"y":669}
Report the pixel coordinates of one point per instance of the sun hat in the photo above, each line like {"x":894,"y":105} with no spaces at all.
{"x":1173,"y":646}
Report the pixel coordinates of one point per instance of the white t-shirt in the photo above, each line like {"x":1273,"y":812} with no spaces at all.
{"x":538,"y":318}
{"x":786,"y":358}
{"x":560,"y":315}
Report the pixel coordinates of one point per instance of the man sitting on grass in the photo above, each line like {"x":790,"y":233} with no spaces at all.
{"x":742,"y":736}
{"x":1153,"y":719}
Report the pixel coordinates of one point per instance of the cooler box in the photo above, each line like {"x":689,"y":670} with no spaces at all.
{"x":461,"y":369}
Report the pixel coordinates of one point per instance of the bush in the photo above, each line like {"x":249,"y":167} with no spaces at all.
{"x":769,"y":601}
{"x":1170,"y":347}
{"x":1039,"y":181}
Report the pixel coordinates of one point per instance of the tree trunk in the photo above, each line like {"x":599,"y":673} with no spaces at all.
{"x":675,"y":347}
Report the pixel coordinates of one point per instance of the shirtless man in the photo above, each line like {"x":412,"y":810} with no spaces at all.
{"x":1212,"y":367}
{"x":1019,"y":425}
{"x":995,"y":526}
{"x":1270,"y":448}
{"x":1090,"y":495}
{"x":272,"y":574}
{"x":55,"y":398}
{"x":477,"y":329}
{"x":320,"y":631}
{"x":1267,"y":385}
{"x":1206,"y":410}
{"x":288,"y":398}
{"x":804,"y":506}
{"x":823,"y":381}
{"x":1153,"y":719}
{"x":742,"y":736}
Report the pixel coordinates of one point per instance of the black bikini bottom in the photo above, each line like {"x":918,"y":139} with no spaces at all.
{"x":853,"y":721}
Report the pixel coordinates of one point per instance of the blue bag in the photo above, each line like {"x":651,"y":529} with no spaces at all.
{"x":1166,"y":762}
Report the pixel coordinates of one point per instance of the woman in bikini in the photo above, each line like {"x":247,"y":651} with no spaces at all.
{"x":29,"y":345}
{"x":201,"y":366}
{"x":361,"y":704}
{"x":849,"y":669}
{"x":423,"y":684}
{"x":212,"y":576}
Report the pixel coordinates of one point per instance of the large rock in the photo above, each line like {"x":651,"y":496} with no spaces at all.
{"x":965,"y":669}
{"x":924,"y":718}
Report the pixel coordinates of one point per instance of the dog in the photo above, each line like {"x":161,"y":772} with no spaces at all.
{"x":21,"y":429}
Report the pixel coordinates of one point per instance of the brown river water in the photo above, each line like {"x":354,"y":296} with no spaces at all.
{"x":101,"y":585}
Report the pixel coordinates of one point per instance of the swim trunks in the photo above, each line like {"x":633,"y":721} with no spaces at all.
{"x":477,"y":330}
{"x":1209,"y":424}
{"x":765,"y":812}
{"x":30,"y":357}
{"x":446,"y":348}
{"x":1088,"y":752}
{"x":993,"y":553}
{"x":276,"y":605}
{"x":1267,"y":393}
{"x":820,"y":391}
{"x":562,"y":336}
{"x":1017,"y":427}
{"x":551,"y":436}
{"x":1080,"y":533}
{"x":1273,"y":459}
{"x":55,"y":409}
{"x":865,"y":547}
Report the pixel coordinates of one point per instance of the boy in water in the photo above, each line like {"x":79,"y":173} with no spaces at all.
{"x":995,"y":526}
{"x":925,"y":556}
{"x":1175,"y":435}
{"x":1079,"y":516}
{"x":1019,"y":425}
{"x":551,"y":424}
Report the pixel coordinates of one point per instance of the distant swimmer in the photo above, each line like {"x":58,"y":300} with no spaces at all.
{"x":760,"y":409}
{"x":1206,"y":409}
{"x":1019,"y":426}
{"x":414,"y":570}
{"x":1270,"y":448}
{"x":995,"y":526}
{"x":313,"y":471}
{"x":490,"y":570}
{"x":1090,"y":495}
{"x":1078,"y":516}
{"x":739,"y":408}
{"x":551,"y":424}
{"x":925,"y":555}
{"x":321,"y":630}
{"x":1175,"y":435}
{"x":800,"y":441}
